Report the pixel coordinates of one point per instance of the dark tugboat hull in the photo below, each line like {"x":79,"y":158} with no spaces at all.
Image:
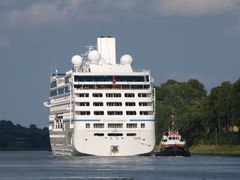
{"x":174,"y":151}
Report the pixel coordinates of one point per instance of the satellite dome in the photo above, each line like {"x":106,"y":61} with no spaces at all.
{"x":126,"y":59}
{"x":94,"y":57}
{"x":76,"y":60}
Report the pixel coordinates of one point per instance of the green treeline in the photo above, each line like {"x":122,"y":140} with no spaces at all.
{"x":201,"y":118}
{"x":14,"y":137}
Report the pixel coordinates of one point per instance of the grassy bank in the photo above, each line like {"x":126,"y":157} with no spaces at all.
{"x":216,"y":149}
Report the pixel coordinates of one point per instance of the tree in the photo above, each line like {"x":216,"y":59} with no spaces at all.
{"x":236,"y":104}
{"x":221,"y":106}
{"x":175,"y":101}
{"x":32,"y":126}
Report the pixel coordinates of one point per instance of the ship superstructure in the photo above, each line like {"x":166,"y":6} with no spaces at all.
{"x":100,"y":107}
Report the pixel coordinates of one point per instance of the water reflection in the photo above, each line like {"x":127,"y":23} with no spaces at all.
{"x":42,"y":165}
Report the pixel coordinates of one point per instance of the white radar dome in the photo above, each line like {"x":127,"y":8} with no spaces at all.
{"x":94,"y":57}
{"x":126,"y":59}
{"x":76,"y":60}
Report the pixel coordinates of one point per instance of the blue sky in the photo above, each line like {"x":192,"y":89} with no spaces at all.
{"x":177,"y":39}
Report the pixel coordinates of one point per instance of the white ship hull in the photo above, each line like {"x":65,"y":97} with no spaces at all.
{"x":83,"y":142}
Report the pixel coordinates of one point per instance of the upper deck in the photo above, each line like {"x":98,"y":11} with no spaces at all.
{"x":98,"y":70}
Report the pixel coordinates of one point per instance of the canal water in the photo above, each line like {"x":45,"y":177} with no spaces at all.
{"x":36,"y":165}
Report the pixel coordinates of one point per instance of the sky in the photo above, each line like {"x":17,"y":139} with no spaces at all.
{"x":176,"y":39}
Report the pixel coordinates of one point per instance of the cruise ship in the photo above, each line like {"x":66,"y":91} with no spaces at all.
{"x":101,"y":107}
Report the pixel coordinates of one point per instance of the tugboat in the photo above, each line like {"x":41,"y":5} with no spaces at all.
{"x":172,"y":145}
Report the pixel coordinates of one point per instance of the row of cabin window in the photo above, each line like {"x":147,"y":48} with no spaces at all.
{"x":114,"y":113}
{"x":111,"y":78}
{"x":115,"y":125}
{"x":113,"y":104}
{"x":83,"y":86}
{"x":114,"y":95}
{"x":115,"y":134}
{"x":64,"y":90}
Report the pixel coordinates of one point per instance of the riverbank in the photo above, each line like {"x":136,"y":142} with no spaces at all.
{"x":216,"y":149}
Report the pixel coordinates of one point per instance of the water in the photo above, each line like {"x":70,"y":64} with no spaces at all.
{"x":42,"y":165}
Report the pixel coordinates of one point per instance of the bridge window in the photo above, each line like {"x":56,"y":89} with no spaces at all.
{"x":125,"y":86}
{"x":66,"y":79}
{"x":53,"y":93}
{"x":53,"y":84}
{"x":111,"y":78}
{"x":61,"y":91}
{"x":67,"y":90}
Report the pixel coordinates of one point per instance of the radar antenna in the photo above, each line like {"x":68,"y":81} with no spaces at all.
{"x":85,"y":67}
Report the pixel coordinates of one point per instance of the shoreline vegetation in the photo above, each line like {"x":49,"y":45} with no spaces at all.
{"x":228,"y":150}
{"x":233,"y":150}
{"x":17,"y":137}
{"x":209,"y":122}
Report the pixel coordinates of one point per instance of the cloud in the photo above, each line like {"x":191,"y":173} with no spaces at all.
{"x":16,"y":14}
{"x":194,"y":7}
{"x":38,"y":13}
{"x":44,"y":12}
{"x":60,"y":11}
